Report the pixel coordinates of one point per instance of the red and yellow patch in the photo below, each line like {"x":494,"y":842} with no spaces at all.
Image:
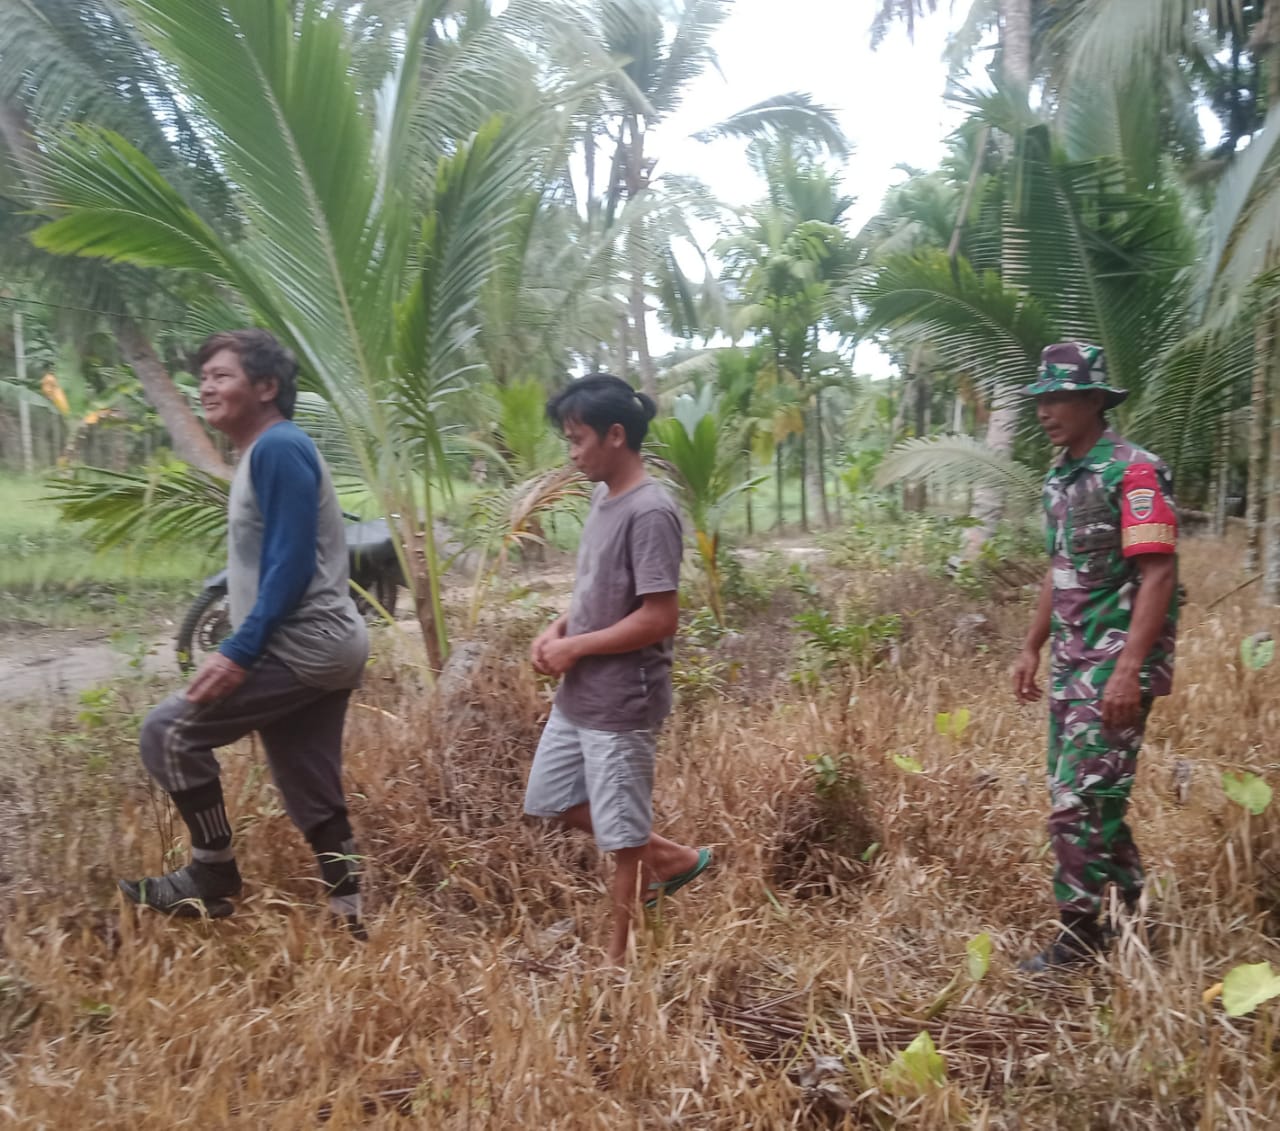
{"x":1148,"y":523}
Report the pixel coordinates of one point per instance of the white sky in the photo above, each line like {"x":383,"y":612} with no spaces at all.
{"x":889,"y":101}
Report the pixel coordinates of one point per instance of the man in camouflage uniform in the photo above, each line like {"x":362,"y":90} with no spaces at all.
{"x":1109,"y":605}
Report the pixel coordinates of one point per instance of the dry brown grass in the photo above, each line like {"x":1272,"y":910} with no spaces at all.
{"x":475,"y":1004}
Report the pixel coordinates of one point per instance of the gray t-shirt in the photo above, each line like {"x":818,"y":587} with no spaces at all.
{"x":295,"y":606}
{"x":631,"y":546}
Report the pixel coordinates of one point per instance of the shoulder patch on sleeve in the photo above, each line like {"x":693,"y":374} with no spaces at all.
{"x":1147,"y":517}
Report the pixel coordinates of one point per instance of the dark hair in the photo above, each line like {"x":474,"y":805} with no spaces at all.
{"x":601,"y":400}
{"x":262,"y":357}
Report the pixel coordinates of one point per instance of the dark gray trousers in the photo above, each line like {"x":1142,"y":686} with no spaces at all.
{"x":301,"y":729}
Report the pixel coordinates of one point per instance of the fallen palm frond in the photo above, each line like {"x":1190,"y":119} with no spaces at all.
{"x":510,"y":518}
{"x":976,"y":1041}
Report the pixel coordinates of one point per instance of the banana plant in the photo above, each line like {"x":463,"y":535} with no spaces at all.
{"x":703,"y":460}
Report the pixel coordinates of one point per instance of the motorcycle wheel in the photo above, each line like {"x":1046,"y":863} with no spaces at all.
{"x":206,"y":625}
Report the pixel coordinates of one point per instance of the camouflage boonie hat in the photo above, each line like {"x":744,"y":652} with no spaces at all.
{"x":1074,"y":367}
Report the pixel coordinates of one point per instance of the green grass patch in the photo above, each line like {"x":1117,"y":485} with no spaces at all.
{"x":50,"y":575}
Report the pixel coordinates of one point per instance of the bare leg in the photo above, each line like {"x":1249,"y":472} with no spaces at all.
{"x":660,"y":858}
{"x":625,"y":873}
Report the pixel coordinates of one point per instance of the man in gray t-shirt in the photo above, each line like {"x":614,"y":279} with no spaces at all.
{"x":593,"y":769}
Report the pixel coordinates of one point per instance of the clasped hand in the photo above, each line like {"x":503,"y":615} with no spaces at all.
{"x":552,"y":652}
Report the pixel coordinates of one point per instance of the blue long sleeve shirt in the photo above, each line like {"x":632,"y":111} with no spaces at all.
{"x":284,"y":469}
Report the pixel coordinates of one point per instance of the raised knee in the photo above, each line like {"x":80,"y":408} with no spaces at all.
{"x":154,"y":736}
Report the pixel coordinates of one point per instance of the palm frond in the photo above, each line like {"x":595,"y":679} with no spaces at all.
{"x":1199,"y":378}
{"x":794,"y":115}
{"x":1244,"y":223}
{"x":1110,"y":38}
{"x":476,"y":194}
{"x":1102,"y":260}
{"x":113,"y":203}
{"x":978,"y":323}
{"x":290,"y":131}
{"x":960,"y":462}
{"x":168,"y":504}
{"x":890,"y":12}
{"x":688,"y":52}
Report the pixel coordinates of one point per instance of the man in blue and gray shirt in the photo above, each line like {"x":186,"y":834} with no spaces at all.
{"x":298,"y":648}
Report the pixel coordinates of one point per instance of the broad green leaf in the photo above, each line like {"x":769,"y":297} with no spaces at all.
{"x":1247,"y":987}
{"x":1248,"y":791}
{"x":908,"y":764}
{"x":978,"y":953}
{"x":953,"y":724}
{"x":1257,"y":651}
{"x":918,"y":1068}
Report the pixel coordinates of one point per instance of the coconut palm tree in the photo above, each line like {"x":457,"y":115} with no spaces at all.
{"x":699,"y":449}
{"x":364,"y":236}
{"x":1065,"y":248}
{"x":784,"y":266}
{"x":663,"y":48}
{"x":71,"y":60}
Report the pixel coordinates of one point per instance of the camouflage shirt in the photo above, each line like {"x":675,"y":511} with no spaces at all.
{"x":1102,"y":511}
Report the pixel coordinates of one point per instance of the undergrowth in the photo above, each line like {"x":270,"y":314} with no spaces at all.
{"x":866,"y":831}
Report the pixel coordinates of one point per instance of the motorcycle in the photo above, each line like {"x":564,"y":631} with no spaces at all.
{"x":371,"y":555}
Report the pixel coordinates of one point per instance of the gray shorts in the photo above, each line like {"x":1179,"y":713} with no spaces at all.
{"x":611,"y":770}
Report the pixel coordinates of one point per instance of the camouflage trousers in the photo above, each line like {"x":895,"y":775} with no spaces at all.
{"x":1091,"y":772}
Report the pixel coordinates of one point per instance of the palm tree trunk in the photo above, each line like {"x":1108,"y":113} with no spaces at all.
{"x":803,"y":440}
{"x":822,"y":462}
{"x":15,"y":131}
{"x":636,"y":184}
{"x":751,"y":523}
{"x":1253,"y":514}
{"x":777,"y":462}
{"x":1002,"y":425}
{"x":966,"y":202}
{"x":1221,"y":473}
{"x":1015,"y":42}
{"x":589,"y":160}
{"x":1271,"y":577}
{"x":190,"y":441}
{"x":426,"y":587}
{"x":623,"y":366}
{"x":644,"y":362}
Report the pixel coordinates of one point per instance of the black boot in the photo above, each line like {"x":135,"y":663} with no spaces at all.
{"x":194,"y":891}
{"x":1080,"y":941}
{"x":335,"y":850}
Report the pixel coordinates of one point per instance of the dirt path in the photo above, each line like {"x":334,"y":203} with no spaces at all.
{"x":40,"y":663}
{"x":37,"y":662}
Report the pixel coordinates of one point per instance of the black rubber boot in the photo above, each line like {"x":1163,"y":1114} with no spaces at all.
{"x":1080,"y":941}
{"x":339,"y":864}
{"x":194,"y":891}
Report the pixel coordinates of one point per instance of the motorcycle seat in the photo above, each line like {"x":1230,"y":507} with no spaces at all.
{"x":370,"y":540}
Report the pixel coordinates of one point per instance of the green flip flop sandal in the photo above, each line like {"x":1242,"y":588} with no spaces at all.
{"x":669,"y":887}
